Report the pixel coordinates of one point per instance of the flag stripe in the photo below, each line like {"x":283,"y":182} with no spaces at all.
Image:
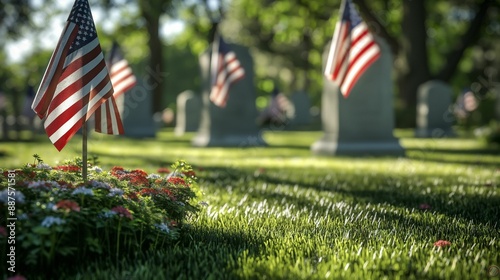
{"x":225,"y":71}
{"x":45,"y":92}
{"x":352,"y":51}
{"x":79,"y":108}
{"x":108,"y":119}
{"x":76,"y":80}
{"x":81,"y":84}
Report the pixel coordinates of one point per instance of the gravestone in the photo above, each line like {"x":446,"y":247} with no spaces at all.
{"x":363,"y":123}
{"x":137,"y":115}
{"x":234,"y":125}
{"x":188,"y":112}
{"x":302,"y":106}
{"x":434,"y":118}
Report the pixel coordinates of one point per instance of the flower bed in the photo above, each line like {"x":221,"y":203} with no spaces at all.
{"x":115,"y":213}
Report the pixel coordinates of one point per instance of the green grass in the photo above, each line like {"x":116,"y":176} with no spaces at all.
{"x":279,"y":212}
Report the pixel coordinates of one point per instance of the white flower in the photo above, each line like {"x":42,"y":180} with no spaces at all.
{"x":16,"y":195}
{"x":175,"y":174}
{"x":50,"y":220}
{"x":83,"y":190}
{"x":96,"y":169}
{"x":153,"y":176}
{"x":107,"y":214}
{"x":163,"y":227}
{"x":99,"y":185}
{"x":115,"y":192}
{"x":51,"y":206}
{"x":43,"y":184}
{"x":181,"y":203}
{"x":42,"y":165}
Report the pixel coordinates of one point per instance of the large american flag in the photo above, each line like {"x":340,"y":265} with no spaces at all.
{"x":76,"y":80}
{"x":107,"y":117}
{"x":225,"y":70}
{"x":352,"y":51}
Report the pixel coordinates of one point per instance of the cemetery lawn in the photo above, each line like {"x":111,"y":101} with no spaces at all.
{"x":279,"y":212}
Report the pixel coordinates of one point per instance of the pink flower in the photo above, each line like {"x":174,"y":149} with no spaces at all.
{"x":122,"y":211}
{"x":442,"y":243}
{"x":424,"y":206}
{"x":3,"y":231}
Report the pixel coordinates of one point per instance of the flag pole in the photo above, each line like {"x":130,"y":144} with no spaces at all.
{"x":84,"y":152}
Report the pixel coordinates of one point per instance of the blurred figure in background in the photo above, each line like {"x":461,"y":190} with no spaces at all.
{"x":466,"y":103}
{"x":278,"y":111}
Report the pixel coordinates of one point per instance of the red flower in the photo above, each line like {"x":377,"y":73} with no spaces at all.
{"x":173,"y":223}
{"x":442,"y":243}
{"x":117,"y":171}
{"x":20,"y":173}
{"x":176,"y":181}
{"x":424,"y":206}
{"x":122,"y":211}
{"x":133,"y":196}
{"x":169,"y":193}
{"x":3,"y":231}
{"x":190,"y":173}
{"x":139,"y":172}
{"x":68,"y":205}
{"x":134,"y":179}
{"x":163,"y":170}
{"x":148,"y":191}
{"x":65,"y":185}
{"x":68,"y":168}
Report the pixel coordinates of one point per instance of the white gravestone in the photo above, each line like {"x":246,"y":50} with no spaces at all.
{"x":189,"y":106}
{"x":234,"y":125}
{"x":137,"y":114}
{"x":363,"y":123}
{"x":434,"y":116}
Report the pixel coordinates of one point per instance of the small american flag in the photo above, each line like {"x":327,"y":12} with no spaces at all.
{"x":76,"y":81}
{"x":107,"y":117}
{"x":352,"y":51}
{"x":226,"y":70}
{"x":279,"y":102}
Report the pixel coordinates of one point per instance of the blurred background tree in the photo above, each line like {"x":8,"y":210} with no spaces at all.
{"x":455,"y":41}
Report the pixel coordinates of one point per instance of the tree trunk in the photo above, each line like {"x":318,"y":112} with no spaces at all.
{"x":412,"y":69}
{"x":155,"y":82}
{"x":470,"y":37}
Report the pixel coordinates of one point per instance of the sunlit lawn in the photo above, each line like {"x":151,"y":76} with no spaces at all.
{"x":279,"y":212}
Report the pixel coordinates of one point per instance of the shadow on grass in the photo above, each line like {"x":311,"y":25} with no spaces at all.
{"x":450,"y":156}
{"x":470,"y":206}
{"x":200,"y":253}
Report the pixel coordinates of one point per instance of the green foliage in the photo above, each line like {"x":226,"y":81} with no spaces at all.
{"x":62,"y":219}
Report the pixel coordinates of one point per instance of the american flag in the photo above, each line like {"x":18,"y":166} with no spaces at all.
{"x":226,"y":70}
{"x":352,"y":51}
{"x":76,"y":81}
{"x":123,"y":79}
